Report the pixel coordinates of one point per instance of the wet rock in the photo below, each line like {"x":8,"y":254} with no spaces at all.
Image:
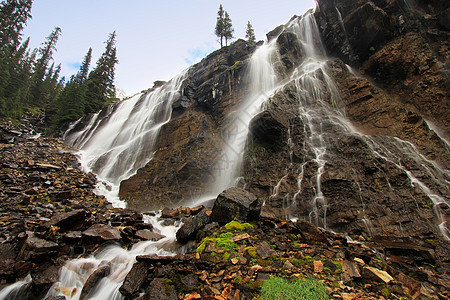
{"x":235,"y":204}
{"x":264,"y":250}
{"x":36,"y":248}
{"x":146,"y":234}
{"x":310,"y":233}
{"x":72,"y":237}
{"x":269,"y":128}
{"x":350,"y":271}
{"x":157,"y":290}
{"x":134,"y":279}
{"x":99,"y":233}
{"x":190,"y":281}
{"x":191,"y":226}
{"x":92,"y":281}
{"x":73,"y":220}
{"x":56,"y":298}
{"x":43,"y":278}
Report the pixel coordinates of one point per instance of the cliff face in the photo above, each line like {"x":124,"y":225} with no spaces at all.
{"x":368,"y":155}
{"x":190,"y":144}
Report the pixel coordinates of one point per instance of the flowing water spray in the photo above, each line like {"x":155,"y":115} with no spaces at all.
{"x":119,"y":261}
{"x":116,"y":145}
{"x":262,"y":84}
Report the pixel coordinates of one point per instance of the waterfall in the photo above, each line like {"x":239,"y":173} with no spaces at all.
{"x":324,"y":122}
{"x":262,"y":84}
{"x":117,"y":144}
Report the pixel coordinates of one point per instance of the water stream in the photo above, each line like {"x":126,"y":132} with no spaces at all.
{"x":75,"y":273}
{"x":117,"y":144}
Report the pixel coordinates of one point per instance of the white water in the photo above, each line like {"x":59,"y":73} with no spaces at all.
{"x":15,"y":290}
{"x":74,"y":274}
{"x":262,"y":84}
{"x":116,"y":146}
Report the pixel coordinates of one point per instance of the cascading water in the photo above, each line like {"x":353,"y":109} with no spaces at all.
{"x":119,"y":262}
{"x":116,"y":146}
{"x":262,"y":84}
{"x":324,"y":122}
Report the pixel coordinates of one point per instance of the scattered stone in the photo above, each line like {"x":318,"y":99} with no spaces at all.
{"x":145,"y":234}
{"x":318,"y":266}
{"x":264,"y":250}
{"x":240,"y":237}
{"x":377,"y":275}
{"x":157,"y":290}
{"x":350,"y":270}
{"x":190,"y":281}
{"x":73,"y":220}
{"x":99,"y":233}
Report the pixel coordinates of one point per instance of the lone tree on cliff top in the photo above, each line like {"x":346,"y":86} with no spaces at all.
{"x":250,"y":34}
{"x":224,"y":27}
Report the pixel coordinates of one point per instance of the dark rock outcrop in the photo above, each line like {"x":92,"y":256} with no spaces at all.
{"x":235,"y":204}
{"x":192,"y":225}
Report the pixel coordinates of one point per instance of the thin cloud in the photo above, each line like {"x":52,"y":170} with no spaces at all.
{"x":197,"y":54}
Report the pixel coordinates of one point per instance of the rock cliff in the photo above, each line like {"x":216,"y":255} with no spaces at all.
{"x":354,"y":138}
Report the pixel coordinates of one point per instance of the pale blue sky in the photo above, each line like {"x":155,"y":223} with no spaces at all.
{"x":155,"y":39}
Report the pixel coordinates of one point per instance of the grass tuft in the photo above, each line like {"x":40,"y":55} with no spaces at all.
{"x":301,"y":289}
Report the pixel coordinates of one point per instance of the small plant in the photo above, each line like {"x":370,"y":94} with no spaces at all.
{"x":304,"y":289}
{"x":236,"y":226}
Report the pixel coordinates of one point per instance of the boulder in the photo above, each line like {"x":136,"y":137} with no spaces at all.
{"x":235,"y":204}
{"x":99,"y":233}
{"x":310,"y":233}
{"x":134,"y":279}
{"x":190,"y":228}
{"x":69,"y":221}
{"x":93,"y":279}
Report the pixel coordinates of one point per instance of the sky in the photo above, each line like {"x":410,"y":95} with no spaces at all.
{"x":156,"y":39}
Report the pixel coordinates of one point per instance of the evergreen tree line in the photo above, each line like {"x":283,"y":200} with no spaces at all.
{"x":224,"y":28}
{"x":29,"y":79}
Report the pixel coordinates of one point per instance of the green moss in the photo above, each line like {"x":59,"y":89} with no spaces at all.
{"x":236,"y":226}
{"x":222,"y":242}
{"x":378,"y":183}
{"x":238,"y":280}
{"x":372,"y":49}
{"x":432,"y":242}
{"x":338,"y":265}
{"x":226,"y":256}
{"x":386,"y":292}
{"x":298,"y":262}
{"x":251,"y":251}
{"x":309,"y":259}
{"x":167,"y":283}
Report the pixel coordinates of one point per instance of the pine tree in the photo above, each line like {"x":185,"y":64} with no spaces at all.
{"x":70,"y":102}
{"x":250,"y":34}
{"x":13,"y":17}
{"x":40,"y":69}
{"x":82,"y":75}
{"x":227,"y":28}
{"x":220,"y":25}
{"x":100,"y":83}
